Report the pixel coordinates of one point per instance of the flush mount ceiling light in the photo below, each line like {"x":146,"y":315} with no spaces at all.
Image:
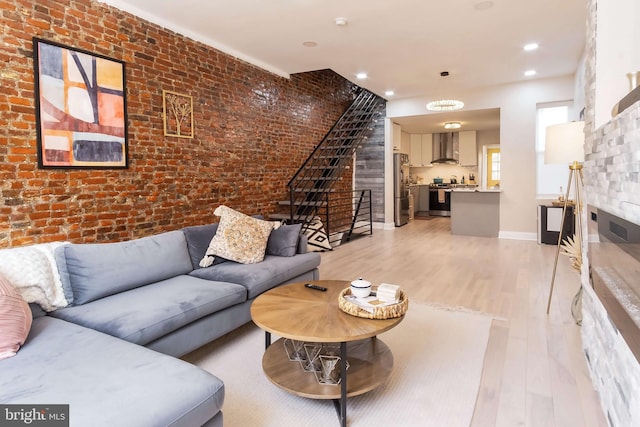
{"x":309,"y":44}
{"x":445,"y":105}
{"x":452,"y":125}
{"x":389,"y":93}
{"x":530,"y":46}
{"x":530,"y":73}
{"x":361,"y":76}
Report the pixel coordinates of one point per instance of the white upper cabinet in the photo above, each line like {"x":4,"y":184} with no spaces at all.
{"x":427,"y":149}
{"x":415,"y":155}
{"x":468,"y":148}
{"x":396,"y":137}
{"x":405,"y":144}
{"x":421,"y":149}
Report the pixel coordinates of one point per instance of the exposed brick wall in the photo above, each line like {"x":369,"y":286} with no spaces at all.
{"x":252,"y":130}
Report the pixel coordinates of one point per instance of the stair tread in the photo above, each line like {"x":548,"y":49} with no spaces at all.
{"x":316,"y":204}
{"x":298,"y":218}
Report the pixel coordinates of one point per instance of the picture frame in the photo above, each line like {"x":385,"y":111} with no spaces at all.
{"x":81,"y":108}
{"x":177,"y":114}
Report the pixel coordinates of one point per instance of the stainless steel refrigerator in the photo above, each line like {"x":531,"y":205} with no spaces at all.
{"x":401,"y":188}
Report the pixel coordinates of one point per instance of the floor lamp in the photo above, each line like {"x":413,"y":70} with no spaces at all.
{"x":564,"y":144}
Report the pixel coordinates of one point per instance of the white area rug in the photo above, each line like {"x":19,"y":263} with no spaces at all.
{"x":438,"y":359}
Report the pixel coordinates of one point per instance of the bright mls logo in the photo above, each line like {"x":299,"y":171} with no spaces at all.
{"x":34,"y":415}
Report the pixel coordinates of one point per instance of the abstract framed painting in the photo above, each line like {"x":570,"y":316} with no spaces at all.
{"x":81,"y":108}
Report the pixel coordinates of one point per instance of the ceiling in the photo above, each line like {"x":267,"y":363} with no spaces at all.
{"x":402,"y":45}
{"x":478,"y":120}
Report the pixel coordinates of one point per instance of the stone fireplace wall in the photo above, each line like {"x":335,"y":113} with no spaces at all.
{"x":612,"y":182}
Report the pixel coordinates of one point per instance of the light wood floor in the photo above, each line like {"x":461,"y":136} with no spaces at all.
{"x":535,"y":373}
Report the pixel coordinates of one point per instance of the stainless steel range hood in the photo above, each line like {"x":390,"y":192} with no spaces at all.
{"x":446,"y":148}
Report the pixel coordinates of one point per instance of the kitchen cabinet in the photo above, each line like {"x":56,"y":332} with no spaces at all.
{"x":415,"y":155}
{"x":405,"y":143}
{"x":421,"y":149}
{"x":424,"y":198}
{"x":427,"y":149}
{"x":468,"y":148}
{"x":397,"y":137}
{"x":415,"y":191}
{"x":412,"y":210}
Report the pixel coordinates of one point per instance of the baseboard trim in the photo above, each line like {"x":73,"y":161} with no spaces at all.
{"x":384,"y":225}
{"x":517,"y":235}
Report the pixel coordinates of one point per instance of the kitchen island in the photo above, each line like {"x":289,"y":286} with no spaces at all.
{"x":475,"y":212}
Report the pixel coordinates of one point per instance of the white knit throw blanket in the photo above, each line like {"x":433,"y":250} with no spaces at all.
{"x":32,"y":270}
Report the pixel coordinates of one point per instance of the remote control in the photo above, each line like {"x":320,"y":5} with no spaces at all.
{"x":316,"y":287}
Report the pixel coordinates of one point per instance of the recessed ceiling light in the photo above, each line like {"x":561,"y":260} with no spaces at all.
{"x":340,"y":22}
{"x":483,"y":5}
{"x":530,"y":73}
{"x":530,"y":46}
{"x":309,"y":44}
{"x":389,"y":93}
{"x":452,"y":125}
{"x":361,"y":76}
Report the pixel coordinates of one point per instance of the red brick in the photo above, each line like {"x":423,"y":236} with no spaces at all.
{"x":240,"y":139}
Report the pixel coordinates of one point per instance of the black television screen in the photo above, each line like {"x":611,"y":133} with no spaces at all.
{"x":614,"y":264}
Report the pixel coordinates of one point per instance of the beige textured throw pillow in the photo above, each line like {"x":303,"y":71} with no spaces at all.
{"x":239,"y":238}
{"x":15,"y":319}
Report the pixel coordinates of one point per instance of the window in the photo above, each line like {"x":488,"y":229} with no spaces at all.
{"x":493,"y":167}
{"x":550,"y":178}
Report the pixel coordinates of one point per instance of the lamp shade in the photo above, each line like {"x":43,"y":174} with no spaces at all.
{"x":564,"y":143}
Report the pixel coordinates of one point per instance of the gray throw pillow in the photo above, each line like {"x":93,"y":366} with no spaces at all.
{"x":283,"y":241}
{"x":198,"y":238}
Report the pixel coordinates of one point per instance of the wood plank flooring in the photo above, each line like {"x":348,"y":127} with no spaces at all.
{"x":535,"y":373}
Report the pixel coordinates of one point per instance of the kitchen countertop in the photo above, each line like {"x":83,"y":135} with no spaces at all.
{"x":476,"y":190}
{"x":461,"y":186}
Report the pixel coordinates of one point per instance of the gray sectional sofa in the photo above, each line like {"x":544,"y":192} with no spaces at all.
{"x":134,"y":308}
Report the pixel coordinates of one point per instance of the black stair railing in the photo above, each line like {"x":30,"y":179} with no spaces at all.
{"x":309,"y":187}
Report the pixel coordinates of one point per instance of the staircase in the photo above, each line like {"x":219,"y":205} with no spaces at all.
{"x":312,"y":190}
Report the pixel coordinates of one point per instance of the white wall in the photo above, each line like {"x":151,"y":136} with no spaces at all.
{"x":618,"y":53}
{"x":579,"y":88}
{"x":517,"y":103}
{"x":487,"y":137}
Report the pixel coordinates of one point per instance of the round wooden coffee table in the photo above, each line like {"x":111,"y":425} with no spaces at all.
{"x":299,"y":313}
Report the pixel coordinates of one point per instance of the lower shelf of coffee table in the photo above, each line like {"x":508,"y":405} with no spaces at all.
{"x":370,"y":364}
